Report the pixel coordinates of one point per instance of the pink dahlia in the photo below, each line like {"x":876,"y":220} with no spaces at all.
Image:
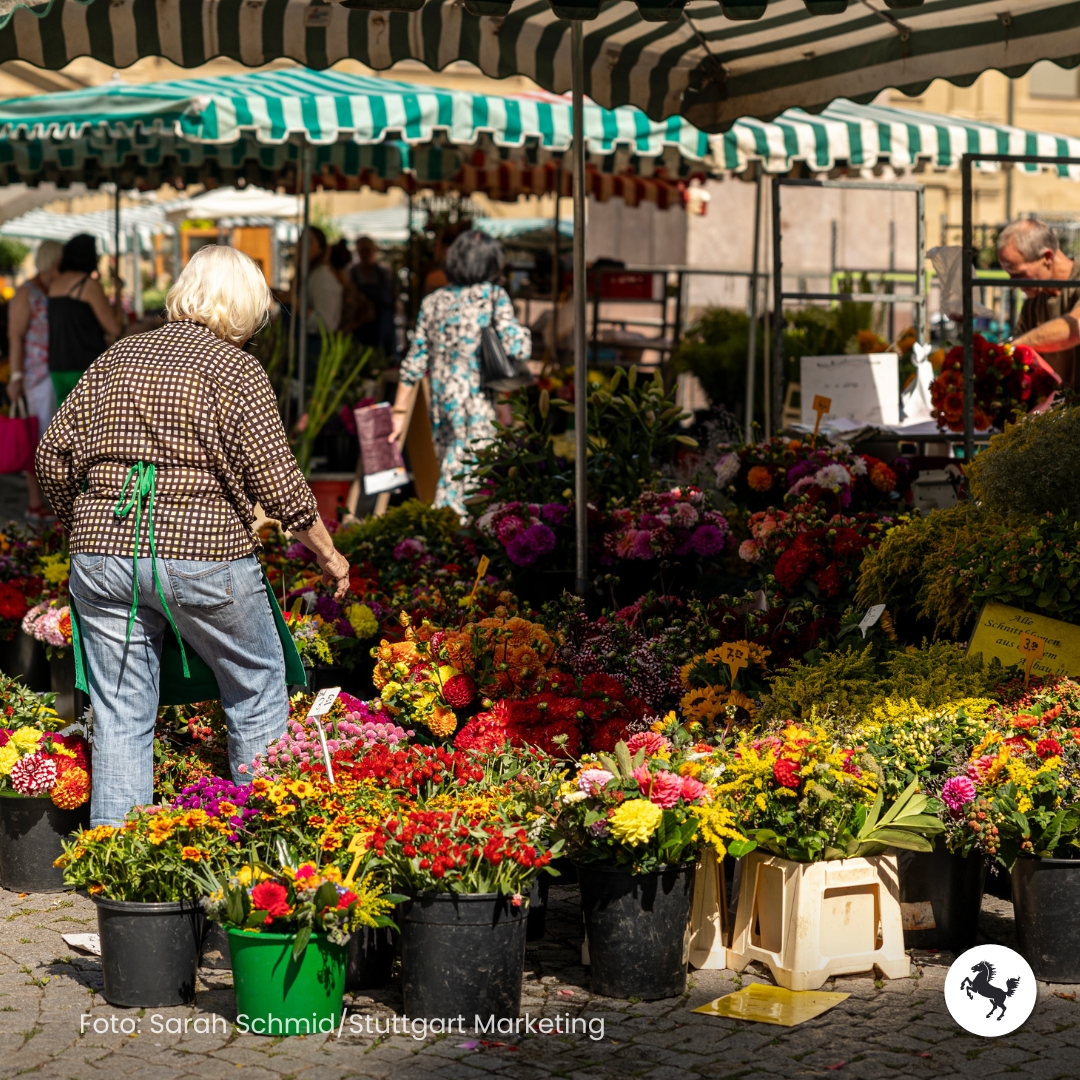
{"x":663,"y":788}
{"x":593,"y":781}
{"x":957,"y":793}
{"x":34,"y":774}
{"x":652,"y":742}
{"x":692,"y":790}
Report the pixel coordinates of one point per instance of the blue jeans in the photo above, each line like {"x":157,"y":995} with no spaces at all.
{"x":223,"y":613}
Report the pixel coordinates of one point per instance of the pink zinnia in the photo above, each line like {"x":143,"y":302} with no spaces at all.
{"x":976,"y":770}
{"x":663,"y":788}
{"x":957,"y":793}
{"x":652,"y":742}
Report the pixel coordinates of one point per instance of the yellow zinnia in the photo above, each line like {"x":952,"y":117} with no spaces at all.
{"x":8,"y":756}
{"x":27,"y":739}
{"x":635,"y":821}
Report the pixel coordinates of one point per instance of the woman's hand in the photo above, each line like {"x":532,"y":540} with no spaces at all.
{"x":335,"y":572}
{"x":398,"y":425}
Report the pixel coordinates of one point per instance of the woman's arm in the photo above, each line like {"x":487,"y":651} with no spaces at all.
{"x":334,"y":565}
{"x":94,"y":295}
{"x":413,"y":368}
{"x":516,"y":339}
{"x":55,"y":464}
{"x":18,"y":324}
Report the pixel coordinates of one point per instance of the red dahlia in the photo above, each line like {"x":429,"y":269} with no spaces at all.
{"x":786,"y":773}
{"x":459,"y":691}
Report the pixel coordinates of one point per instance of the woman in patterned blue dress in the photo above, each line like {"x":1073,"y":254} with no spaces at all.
{"x":446,"y":349}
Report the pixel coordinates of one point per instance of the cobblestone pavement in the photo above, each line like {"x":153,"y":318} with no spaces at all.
{"x":885,"y":1029}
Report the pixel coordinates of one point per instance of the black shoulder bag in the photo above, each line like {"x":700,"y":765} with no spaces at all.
{"x":497,"y":370}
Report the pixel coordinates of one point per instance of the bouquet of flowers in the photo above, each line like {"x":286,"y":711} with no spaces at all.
{"x":50,"y":622}
{"x":661,"y":524}
{"x":21,"y":707}
{"x":299,"y":899}
{"x":34,"y":762}
{"x":155,"y":856}
{"x":1008,"y":379}
{"x":528,"y":532}
{"x":712,"y":698}
{"x":1019,"y":792}
{"x":644,"y":806}
{"x":805,"y":796}
{"x":191,"y":743}
{"x":436,"y":674}
{"x":315,"y":638}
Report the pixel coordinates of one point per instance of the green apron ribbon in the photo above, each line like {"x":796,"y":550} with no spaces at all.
{"x":139,"y":489}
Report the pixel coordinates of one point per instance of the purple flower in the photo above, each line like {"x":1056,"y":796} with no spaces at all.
{"x":708,"y":540}
{"x":509,"y":527}
{"x":326,"y":607}
{"x":299,"y":551}
{"x":554,"y":513}
{"x":957,"y":793}
{"x":344,"y":628}
{"x":642,"y":544}
{"x":530,"y":545}
{"x":409,"y":549}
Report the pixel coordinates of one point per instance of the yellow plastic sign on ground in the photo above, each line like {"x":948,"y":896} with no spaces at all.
{"x":772,"y":1005}
{"x":1003,"y":630}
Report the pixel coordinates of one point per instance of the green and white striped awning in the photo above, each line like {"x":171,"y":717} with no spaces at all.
{"x":363,"y":130}
{"x":718,"y":62}
{"x":866,"y":136}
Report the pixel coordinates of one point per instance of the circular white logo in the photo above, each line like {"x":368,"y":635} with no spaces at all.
{"x":990,"y":990}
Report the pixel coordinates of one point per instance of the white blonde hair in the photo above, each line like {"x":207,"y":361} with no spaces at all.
{"x":48,"y":255}
{"x":223,"y":289}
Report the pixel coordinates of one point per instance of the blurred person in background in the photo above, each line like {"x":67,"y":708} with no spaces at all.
{"x":28,"y":353}
{"x":373,"y":280}
{"x":82,"y":323}
{"x":446,"y":350}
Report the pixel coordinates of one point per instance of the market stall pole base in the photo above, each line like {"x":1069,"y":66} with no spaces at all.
{"x":810,"y":921}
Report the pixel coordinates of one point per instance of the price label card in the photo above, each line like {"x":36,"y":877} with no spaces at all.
{"x":324,"y":702}
{"x":736,"y":655}
{"x":871,"y":617}
{"x":355,"y":844}
{"x":1050,"y":646}
{"x":356,"y":850}
{"x":822,"y":404}
{"x":1031,"y":649}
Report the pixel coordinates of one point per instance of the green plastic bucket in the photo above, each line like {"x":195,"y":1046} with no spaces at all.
{"x":276,"y":995}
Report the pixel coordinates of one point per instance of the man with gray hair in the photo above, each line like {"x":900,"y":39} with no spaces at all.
{"x":1049,"y":321}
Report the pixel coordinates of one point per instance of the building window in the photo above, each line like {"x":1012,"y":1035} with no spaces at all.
{"x":1047,"y":80}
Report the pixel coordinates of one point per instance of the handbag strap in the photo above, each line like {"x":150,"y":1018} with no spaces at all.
{"x":19,"y":407}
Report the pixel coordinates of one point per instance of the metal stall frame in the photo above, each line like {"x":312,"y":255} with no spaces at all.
{"x":918,"y":298}
{"x":969,"y":279}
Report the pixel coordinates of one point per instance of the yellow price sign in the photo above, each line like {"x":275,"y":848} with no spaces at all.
{"x":1031,"y":649}
{"x":821,"y":406}
{"x":736,"y":655}
{"x":481,"y":570}
{"x":356,"y":849}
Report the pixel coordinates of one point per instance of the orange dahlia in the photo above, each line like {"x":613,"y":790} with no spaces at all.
{"x":72,"y":789}
{"x":760,"y":478}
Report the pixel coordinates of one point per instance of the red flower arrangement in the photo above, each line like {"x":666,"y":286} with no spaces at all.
{"x":413,"y":769}
{"x":1008,"y":379}
{"x":14,"y":605}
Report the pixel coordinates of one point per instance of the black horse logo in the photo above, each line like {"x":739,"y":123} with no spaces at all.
{"x":982,"y":984}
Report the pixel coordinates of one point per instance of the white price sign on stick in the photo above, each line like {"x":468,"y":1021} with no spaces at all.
{"x":871,"y":617}
{"x":324,"y":702}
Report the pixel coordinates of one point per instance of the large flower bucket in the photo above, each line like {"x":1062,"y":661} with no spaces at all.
{"x":371,"y":953}
{"x":1046,"y":901}
{"x":149,"y":951}
{"x":940,"y":898}
{"x":277,"y":995}
{"x":638,"y":928}
{"x":462,"y":954}
{"x":31,"y":830}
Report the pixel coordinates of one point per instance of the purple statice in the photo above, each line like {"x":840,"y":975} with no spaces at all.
{"x":530,"y":545}
{"x":210,"y":792}
{"x":409,"y":550}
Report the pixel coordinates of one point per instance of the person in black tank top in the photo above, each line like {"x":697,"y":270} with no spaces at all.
{"x":81,"y":322}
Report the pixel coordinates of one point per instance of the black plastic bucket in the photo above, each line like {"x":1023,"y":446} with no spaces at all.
{"x":370,"y":958}
{"x":31,"y":828}
{"x":149,"y":952}
{"x":638,"y":927}
{"x":1046,"y":903}
{"x":538,"y":903}
{"x":953,"y":887}
{"x":25,"y":657}
{"x":462,"y":955}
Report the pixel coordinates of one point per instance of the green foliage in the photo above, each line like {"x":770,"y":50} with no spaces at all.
{"x":154,"y":300}
{"x":437,"y":525}
{"x":714,"y":348}
{"x":849,"y":684}
{"x":12,"y":254}
{"x":1032,"y":466}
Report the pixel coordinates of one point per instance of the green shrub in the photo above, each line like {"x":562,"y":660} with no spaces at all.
{"x":1032,"y":467}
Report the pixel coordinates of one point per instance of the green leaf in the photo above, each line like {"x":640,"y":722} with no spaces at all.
{"x":610,"y":764}
{"x":326,"y":896}
{"x":300,"y":943}
{"x":738,"y":848}
{"x":622,"y":755}
{"x":902,"y":839}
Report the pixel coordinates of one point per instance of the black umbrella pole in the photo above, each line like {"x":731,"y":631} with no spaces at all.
{"x":581,"y":508}
{"x":967,"y":242}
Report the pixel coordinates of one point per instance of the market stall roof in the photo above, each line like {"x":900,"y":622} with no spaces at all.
{"x":866,"y":136}
{"x":714,"y":64}
{"x":45,"y":225}
{"x":364,"y":130}
{"x":233,"y":203}
{"x":389,"y":226}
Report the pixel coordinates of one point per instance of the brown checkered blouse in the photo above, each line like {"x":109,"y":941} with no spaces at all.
{"x":203,"y":412}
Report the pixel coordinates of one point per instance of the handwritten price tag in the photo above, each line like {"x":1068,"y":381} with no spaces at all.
{"x":481,"y":570}
{"x":736,"y":655}
{"x":821,"y":406}
{"x":1031,"y":649}
{"x":324,"y":702}
{"x":356,"y":850}
{"x":871,"y":617}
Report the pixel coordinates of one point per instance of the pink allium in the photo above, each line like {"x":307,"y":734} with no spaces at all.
{"x":957,"y":793}
{"x":593,"y":781}
{"x":649,"y":741}
{"x":692,"y":789}
{"x":663,"y":788}
{"x":34,"y":774}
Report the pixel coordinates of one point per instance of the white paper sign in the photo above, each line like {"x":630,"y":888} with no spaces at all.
{"x":324,"y":702}
{"x":864,"y":388}
{"x":871,"y":617}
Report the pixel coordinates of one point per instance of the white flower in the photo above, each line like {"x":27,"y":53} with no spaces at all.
{"x":726,"y":469}
{"x":575,"y":796}
{"x":857,"y":465}
{"x":832,"y":477}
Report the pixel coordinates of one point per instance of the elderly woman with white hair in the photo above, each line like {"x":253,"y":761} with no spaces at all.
{"x":154,"y":464}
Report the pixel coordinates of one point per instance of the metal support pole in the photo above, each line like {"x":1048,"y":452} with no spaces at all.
{"x":751,"y":348}
{"x":922,"y":313}
{"x":968,"y":321}
{"x":556,"y":276}
{"x":581,"y":405}
{"x":774,"y":402}
{"x":117,"y":293}
{"x":302,"y":272}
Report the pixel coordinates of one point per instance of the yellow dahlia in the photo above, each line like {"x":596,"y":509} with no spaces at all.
{"x":635,"y":821}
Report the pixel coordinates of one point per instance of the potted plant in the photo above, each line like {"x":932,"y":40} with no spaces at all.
{"x":144,"y":878}
{"x":1016,"y":802}
{"x":819,"y":896}
{"x":635,"y":823}
{"x":467,"y":874}
{"x":288,"y":928}
{"x":44,"y":795}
